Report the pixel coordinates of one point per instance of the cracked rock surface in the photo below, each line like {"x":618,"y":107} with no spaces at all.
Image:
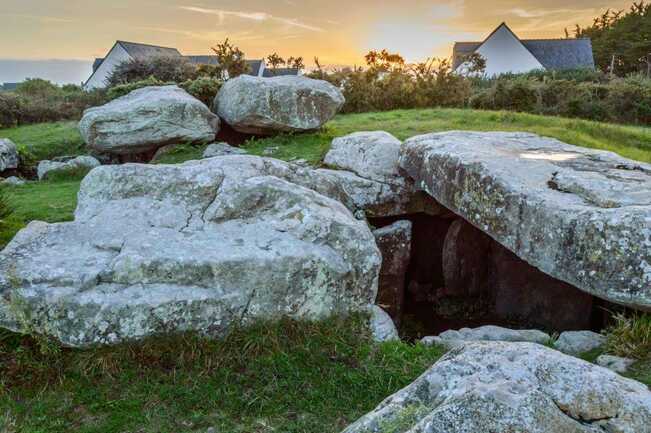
{"x":491,"y":387}
{"x":146,"y":120}
{"x":8,"y":155}
{"x":198,"y":246}
{"x":580,"y":215}
{"x":365,"y":164}
{"x":267,"y":106}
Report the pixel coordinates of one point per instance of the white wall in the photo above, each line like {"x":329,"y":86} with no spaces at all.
{"x":504,"y":53}
{"x":116,"y":56}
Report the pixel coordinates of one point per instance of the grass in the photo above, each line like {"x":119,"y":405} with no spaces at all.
{"x":630,"y":336}
{"x":45,"y":141}
{"x":274,"y":377}
{"x":43,"y":201}
{"x":628,"y":141}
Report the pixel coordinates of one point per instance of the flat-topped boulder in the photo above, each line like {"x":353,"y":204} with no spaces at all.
{"x":512,"y":387}
{"x":200,"y":246}
{"x":146,"y":120}
{"x":582,"y":216}
{"x":268,"y":106}
{"x":8,"y":155}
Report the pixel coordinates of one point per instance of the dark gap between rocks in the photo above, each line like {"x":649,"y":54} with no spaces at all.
{"x":457,"y":277}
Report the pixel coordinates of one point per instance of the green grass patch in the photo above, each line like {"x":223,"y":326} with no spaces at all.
{"x":45,"y":141}
{"x":628,"y":141}
{"x":630,"y":336}
{"x":43,"y":201}
{"x":284,"y":376}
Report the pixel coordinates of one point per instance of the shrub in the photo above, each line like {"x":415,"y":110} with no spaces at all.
{"x":37,"y":101}
{"x":519,"y":94}
{"x":630,"y":336}
{"x":10,"y":110}
{"x":165,"y":69}
{"x":204,"y":89}
{"x":124,"y":89}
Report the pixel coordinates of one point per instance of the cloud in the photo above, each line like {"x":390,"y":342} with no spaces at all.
{"x":43,"y":19}
{"x":203,"y":36}
{"x":447,"y":11}
{"x":254,"y":16}
{"x":539,"y":13}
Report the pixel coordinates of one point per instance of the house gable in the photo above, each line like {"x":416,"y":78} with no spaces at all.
{"x":116,"y":56}
{"x":505,"y":53}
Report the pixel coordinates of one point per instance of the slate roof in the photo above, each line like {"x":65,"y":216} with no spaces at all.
{"x":144,"y":51}
{"x":212,"y":60}
{"x":269,"y":72}
{"x":98,"y":61}
{"x":557,"y":54}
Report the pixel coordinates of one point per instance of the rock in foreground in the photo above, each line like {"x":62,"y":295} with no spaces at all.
{"x":580,"y":215}
{"x":199,"y":246}
{"x":267,"y":106}
{"x":222,"y":149}
{"x":512,"y":387}
{"x":8,"y":155}
{"x":81,"y":163}
{"x":453,"y":338}
{"x":146,"y":120}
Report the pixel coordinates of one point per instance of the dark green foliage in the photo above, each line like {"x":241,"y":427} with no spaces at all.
{"x":622,"y":100}
{"x":165,"y":69}
{"x":203,"y":88}
{"x":626,"y":36}
{"x":126,"y":88}
{"x":36,"y":101}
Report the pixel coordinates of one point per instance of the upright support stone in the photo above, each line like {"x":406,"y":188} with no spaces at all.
{"x":394,"y":242}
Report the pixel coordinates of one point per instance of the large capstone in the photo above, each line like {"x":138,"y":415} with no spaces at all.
{"x":579,"y":215}
{"x":267,"y":106}
{"x":146,"y":120}
{"x":8,"y":155}
{"x":366,"y":165}
{"x":513,"y":387}
{"x":198,"y":247}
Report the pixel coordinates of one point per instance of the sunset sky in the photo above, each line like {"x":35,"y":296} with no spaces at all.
{"x":339,"y":32}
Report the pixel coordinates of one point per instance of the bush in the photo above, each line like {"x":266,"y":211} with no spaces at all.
{"x":10,"y":110}
{"x":204,"y":89}
{"x":165,"y":69}
{"x":519,"y":94}
{"x":124,"y":89}
{"x":630,"y":336}
{"x":37,"y":101}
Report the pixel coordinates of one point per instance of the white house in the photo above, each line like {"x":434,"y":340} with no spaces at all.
{"x":505,"y":53}
{"x":124,"y":51}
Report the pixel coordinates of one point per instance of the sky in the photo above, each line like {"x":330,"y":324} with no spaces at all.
{"x":58,"y":39}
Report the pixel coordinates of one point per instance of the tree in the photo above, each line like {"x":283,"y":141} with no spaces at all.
{"x":275,"y":60}
{"x":621,"y":42}
{"x":384,"y":61}
{"x":295,"y":63}
{"x":473,"y":65}
{"x":231,"y":60}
